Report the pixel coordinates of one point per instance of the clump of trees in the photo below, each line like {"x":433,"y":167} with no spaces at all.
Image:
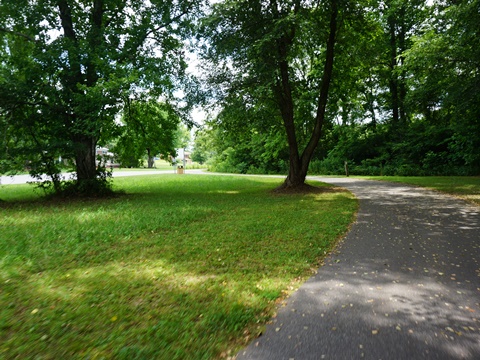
{"x":403,"y":96}
{"x":148,"y":128}
{"x":389,"y":86}
{"x":68,"y":67}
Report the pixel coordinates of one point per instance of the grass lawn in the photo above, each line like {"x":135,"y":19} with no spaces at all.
{"x":465,"y":187}
{"x":181,"y":267}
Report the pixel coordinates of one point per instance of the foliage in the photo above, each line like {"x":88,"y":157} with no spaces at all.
{"x":256,"y":153}
{"x":272,"y":62}
{"x":446,"y":65}
{"x":403,"y":97}
{"x":148,"y":129}
{"x":125,"y":278}
{"x":389,"y":86}
{"x":66,"y":67}
{"x":182,"y":136}
{"x":419,"y":149}
{"x":202,"y":148}
{"x":441,"y":136}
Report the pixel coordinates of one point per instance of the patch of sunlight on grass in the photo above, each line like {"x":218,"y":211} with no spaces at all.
{"x":225,"y":192}
{"x":87,"y":216}
{"x":75,"y":283}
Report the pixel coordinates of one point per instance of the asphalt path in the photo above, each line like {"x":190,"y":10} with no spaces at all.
{"x":404,"y":284}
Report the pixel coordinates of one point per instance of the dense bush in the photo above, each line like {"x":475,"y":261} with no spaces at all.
{"x":417,"y":149}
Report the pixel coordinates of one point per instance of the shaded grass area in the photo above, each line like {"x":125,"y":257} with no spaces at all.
{"x":465,"y":187}
{"x":182,"y":267}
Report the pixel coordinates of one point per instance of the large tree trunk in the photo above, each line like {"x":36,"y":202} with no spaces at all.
{"x":85,"y":156}
{"x":84,"y":138}
{"x":285,"y":100}
{"x":299,"y":164}
{"x":296,"y":177}
{"x":150,"y":159}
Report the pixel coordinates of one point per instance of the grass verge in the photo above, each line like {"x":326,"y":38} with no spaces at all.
{"x":465,"y":187}
{"x":182,"y":267}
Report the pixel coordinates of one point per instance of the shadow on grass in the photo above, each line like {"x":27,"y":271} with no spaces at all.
{"x":125,"y":311}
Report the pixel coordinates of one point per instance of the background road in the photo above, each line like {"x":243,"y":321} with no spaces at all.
{"x":404,"y":284}
{"x":23,"y":179}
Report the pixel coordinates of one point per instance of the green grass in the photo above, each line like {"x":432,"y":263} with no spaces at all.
{"x":181,"y":267}
{"x":466,"y":187}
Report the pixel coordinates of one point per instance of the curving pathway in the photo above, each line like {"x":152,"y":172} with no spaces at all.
{"x":404,"y":284}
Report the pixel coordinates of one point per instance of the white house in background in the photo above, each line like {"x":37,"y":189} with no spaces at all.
{"x":108,"y":158}
{"x":183,"y":157}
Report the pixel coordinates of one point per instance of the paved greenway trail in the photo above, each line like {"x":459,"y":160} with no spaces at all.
{"x":404,"y":284}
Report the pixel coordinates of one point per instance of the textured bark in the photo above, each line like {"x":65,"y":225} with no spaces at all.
{"x":299,"y":163}
{"x":84,"y":139}
{"x":85,"y":157}
{"x":150,"y":161}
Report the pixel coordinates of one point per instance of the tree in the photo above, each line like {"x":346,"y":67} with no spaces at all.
{"x":277,"y":55}
{"x":202,"y":146}
{"x":438,"y":67}
{"x":400,"y":20}
{"x":182,"y":136}
{"x":149,"y":129}
{"x":446,"y":67}
{"x":68,"y":65}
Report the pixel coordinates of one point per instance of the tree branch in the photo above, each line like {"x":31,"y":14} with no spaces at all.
{"x":66,"y":18}
{"x":326,"y":79}
{"x":16,"y":33}
{"x":141,"y":39}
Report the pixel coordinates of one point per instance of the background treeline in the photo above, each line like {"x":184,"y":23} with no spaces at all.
{"x":405,"y":99}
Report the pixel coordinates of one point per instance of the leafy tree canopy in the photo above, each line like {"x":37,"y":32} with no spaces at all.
{"x":66,"y":68}
{"x":148,"y":129}
{"x":273,"y":61}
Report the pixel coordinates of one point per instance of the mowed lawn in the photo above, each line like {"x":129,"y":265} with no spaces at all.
{"x":180,"y":267}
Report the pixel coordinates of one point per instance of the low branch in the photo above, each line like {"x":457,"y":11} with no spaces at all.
{"x":16,"y":33}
